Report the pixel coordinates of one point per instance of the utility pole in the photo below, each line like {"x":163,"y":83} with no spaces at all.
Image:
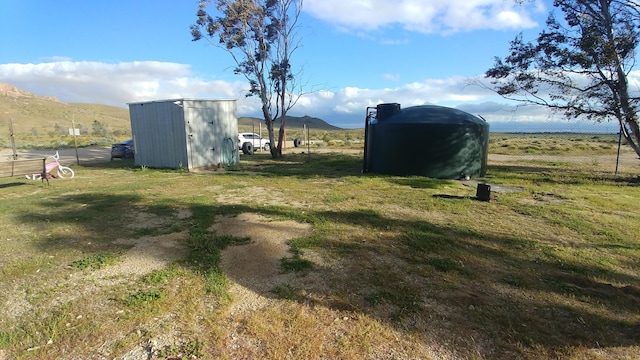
{"x":13,"y":139}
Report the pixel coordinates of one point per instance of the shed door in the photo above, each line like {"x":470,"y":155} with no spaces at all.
{"x":204,"y":144}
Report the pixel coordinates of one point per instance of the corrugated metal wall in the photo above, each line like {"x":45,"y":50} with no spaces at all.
{"x":212,"y":132}
{"x":183,"y":133}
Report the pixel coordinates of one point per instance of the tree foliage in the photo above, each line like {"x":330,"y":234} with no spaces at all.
{"x":260,"y":35}
{"x":579,"y":64}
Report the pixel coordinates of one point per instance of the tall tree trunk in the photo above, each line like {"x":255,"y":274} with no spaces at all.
{"x":269,"y":123}
{"x":283,"y":117}
{"x":629,"y":118}
{"x":281,"y":138}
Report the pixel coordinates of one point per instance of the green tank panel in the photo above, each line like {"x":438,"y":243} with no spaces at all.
{"x":432,"y":141}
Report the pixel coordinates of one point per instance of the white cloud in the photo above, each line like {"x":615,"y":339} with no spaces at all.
{"x":394,"y":41}
{"x":425,"y":16}
{"x":121,"y":83}
{"x":60,"y":58}
{"x":115,"y":84}
{"x":391,"y":77}
{"x":501,"y":112}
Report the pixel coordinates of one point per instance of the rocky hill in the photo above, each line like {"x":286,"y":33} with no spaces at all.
{"x":36,"y":114}
{"x":40,"y":114}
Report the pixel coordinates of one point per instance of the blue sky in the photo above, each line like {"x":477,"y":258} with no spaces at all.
{"x":354,"y":54}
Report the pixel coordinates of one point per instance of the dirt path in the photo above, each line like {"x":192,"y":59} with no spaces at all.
{"x":253,"y":271}
{"x":85,"y":155}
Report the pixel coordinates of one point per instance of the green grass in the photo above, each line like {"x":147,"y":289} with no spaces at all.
{"x":143,"y":297}
{"x":95,"y":261}
{"x":286,"y":291}
{"x":295,"y":264}
{"x":407,"y":263}
{"x":189,"y":350}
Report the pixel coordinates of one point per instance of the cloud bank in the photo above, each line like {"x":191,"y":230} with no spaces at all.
{"x":126,"y":82}
{"x":425,"y":16}
{"x":122,"y":83}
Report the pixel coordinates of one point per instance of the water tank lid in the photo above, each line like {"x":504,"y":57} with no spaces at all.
{"x":388,"y":105}
{"x":387,"y":110}
{"x":436,"y":115}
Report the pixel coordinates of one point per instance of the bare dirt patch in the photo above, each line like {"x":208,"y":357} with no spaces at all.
{"x":148,"y":253}
{"x":251,"y":194}
{"x":255,"y":267}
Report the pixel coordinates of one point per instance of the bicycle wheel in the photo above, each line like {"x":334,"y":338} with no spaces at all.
{"x":65,"y":172}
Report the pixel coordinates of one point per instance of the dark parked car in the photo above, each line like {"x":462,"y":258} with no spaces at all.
{"x":123,"y":150}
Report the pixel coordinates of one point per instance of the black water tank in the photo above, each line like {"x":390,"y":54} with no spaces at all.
{"x":428,"y":140}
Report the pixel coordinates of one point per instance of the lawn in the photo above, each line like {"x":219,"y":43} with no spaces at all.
{"x":124,"y":261}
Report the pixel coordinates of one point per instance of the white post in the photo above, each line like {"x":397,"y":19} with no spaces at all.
{"x":75,"y":139}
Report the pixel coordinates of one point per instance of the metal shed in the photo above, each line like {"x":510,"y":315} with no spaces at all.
{"x":185,"y":133}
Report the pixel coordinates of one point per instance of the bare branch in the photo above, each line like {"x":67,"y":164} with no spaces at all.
{"x":578,"y":65}
{"x":261,"y":37}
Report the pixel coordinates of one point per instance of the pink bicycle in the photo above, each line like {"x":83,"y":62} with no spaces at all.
{"x":54,"y":165}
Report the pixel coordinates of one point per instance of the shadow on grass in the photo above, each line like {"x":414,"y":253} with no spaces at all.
{"x":511,"y":291}
{"x":113,"y":164}
{"x":420,"y":182}
{"x":12,"y":184}
{"x":457,"y":197}
{"x":329,"y":165}
{"x":522,"y":297}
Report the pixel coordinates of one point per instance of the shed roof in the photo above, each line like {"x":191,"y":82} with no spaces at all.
{"x":177,"y":99}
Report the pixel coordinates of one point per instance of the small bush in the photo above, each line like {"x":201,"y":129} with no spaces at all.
{"x":192,"y":349}
{"x":95,"y":261}
{"x":142,"y":297}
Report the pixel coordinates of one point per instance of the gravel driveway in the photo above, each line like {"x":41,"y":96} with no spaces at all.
{"x":85,"y":155}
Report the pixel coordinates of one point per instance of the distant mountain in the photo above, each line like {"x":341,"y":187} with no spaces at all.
{"x":293,"y":122}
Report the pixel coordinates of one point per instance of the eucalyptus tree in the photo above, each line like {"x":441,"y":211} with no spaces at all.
{"x":261,"y":37}
{"x":579,"y":64}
